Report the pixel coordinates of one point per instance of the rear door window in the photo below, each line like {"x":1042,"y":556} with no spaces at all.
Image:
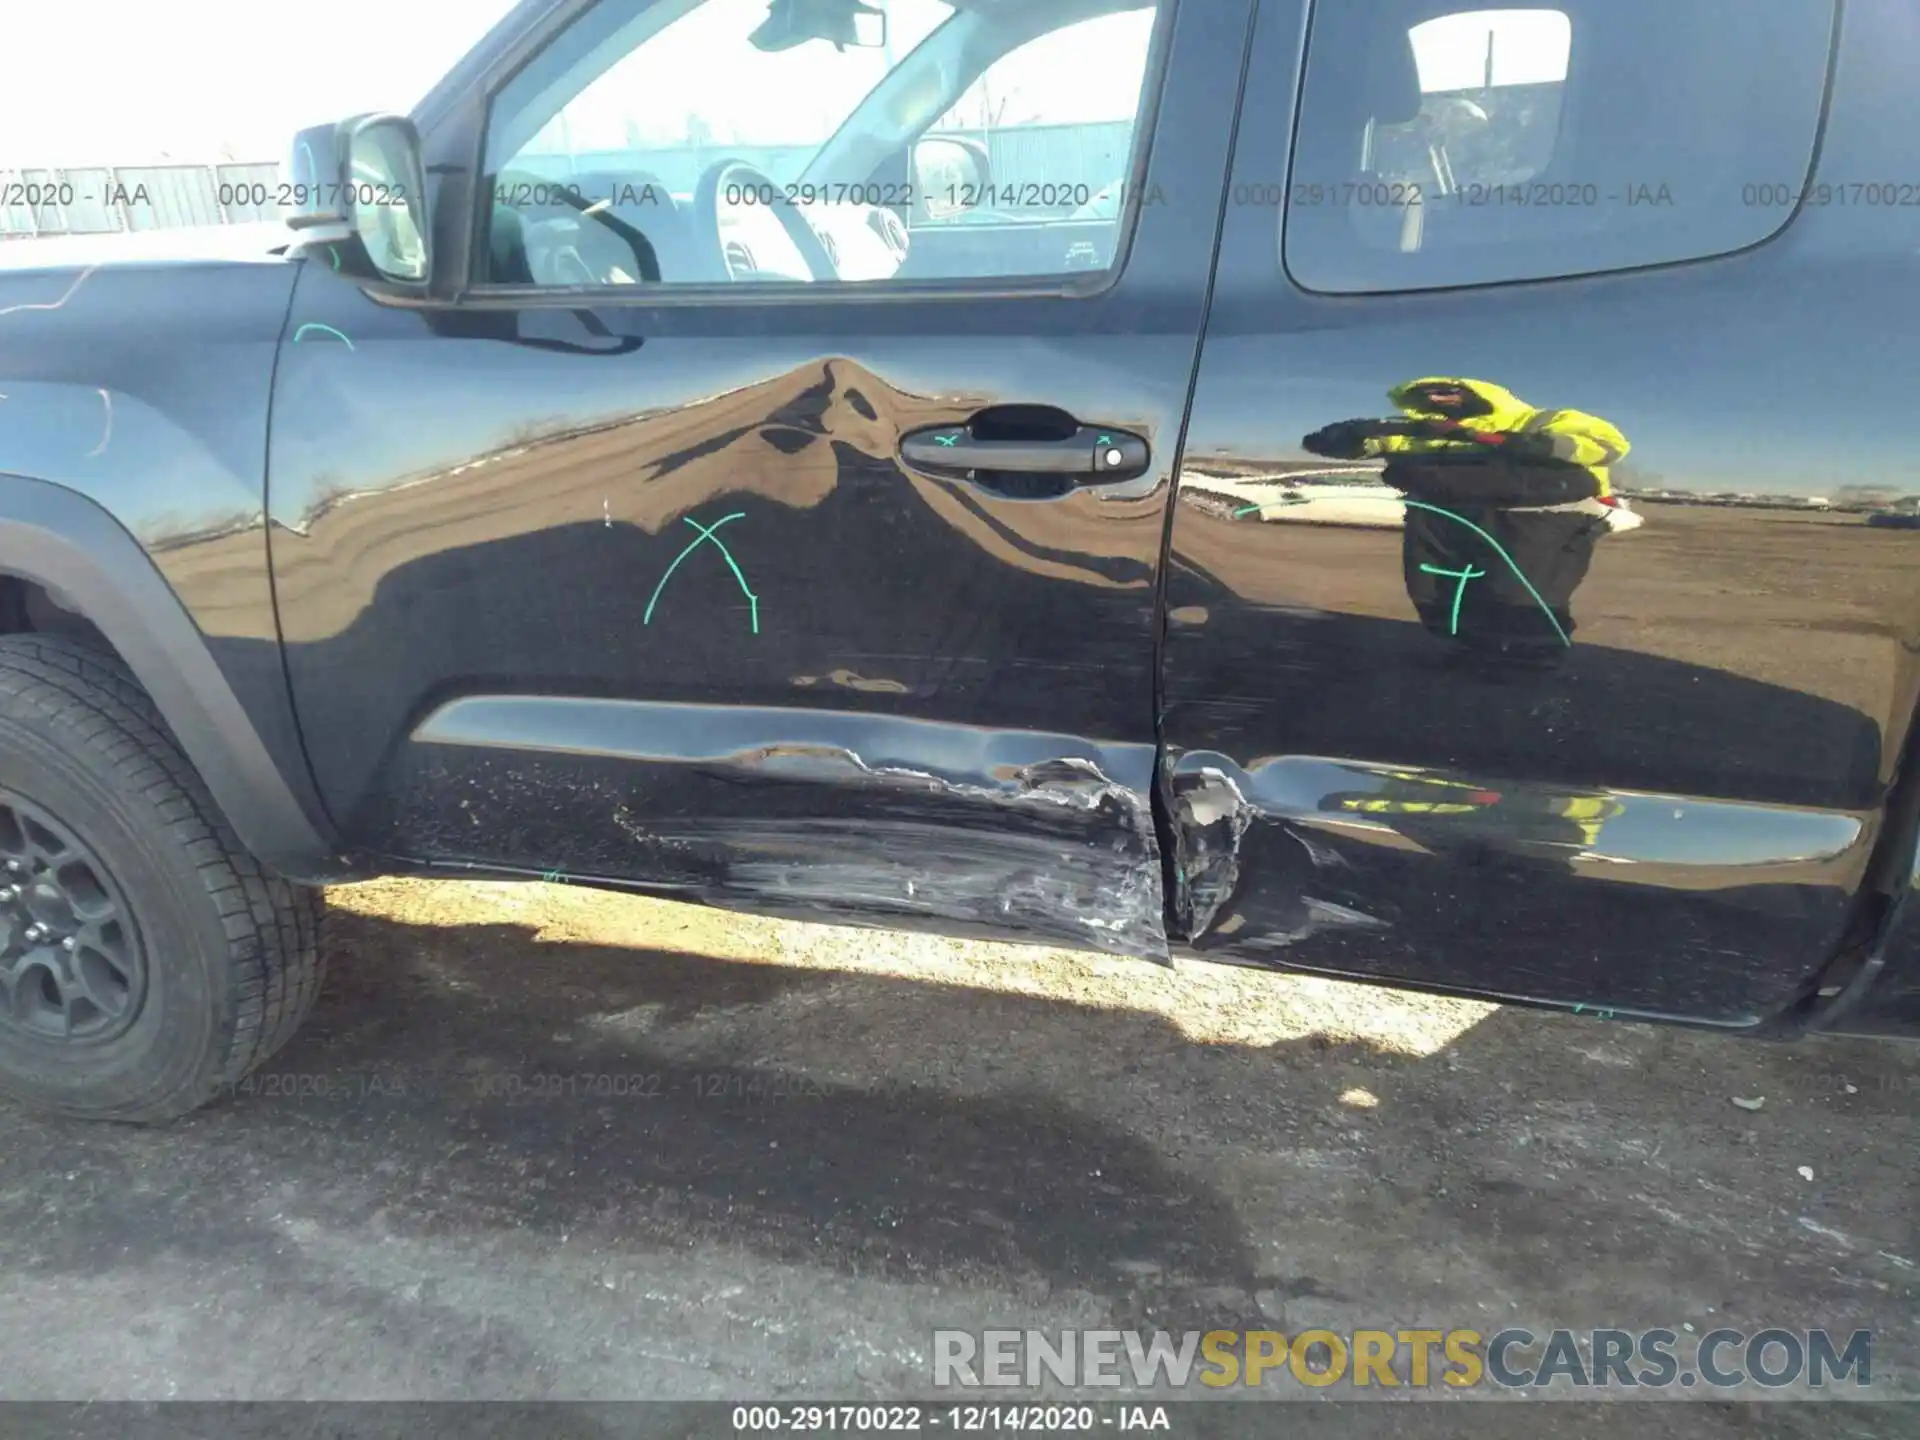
{"x":1486,"y":145}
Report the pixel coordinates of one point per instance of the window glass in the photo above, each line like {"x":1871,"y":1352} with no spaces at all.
{"x":1055,"y":118}
{"x":1490,"y":90}
{"x":698,"y":88}
{"x":790,"y":141}
{"x":1488,"y":145}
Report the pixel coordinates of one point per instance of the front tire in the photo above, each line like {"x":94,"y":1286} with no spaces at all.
{"x":147,"y":962}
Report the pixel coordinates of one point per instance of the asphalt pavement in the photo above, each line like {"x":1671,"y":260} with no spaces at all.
{"x":542,"y":1144}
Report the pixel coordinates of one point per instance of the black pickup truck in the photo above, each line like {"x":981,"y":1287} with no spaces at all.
{"x":1386,"y":490}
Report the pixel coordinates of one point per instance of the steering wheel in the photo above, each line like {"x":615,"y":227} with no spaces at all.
{"x":733,"y":197}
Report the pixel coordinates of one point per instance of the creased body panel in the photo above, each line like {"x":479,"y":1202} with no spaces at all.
{"x":952,"y":827}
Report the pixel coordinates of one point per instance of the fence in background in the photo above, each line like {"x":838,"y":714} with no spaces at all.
{"x":104,"y":200}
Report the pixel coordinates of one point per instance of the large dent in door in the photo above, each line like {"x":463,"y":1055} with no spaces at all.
{"x":1211,"y":813}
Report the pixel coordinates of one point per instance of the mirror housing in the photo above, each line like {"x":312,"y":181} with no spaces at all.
{"x":361,"y":186}
{"x":844,"y":22}
{"x":944,"y":165}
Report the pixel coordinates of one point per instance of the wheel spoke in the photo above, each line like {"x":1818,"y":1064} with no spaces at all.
{"x":87,"y":897}
{"x":102,"y":970}
{"x":105,"y":940}
{"x":97,"y":978}
{"x":13,"y":970}
{"x":46,"y":849}
{"x":41,"y":1004}
{"x":13,"y":843}
{"x":68,"y":994}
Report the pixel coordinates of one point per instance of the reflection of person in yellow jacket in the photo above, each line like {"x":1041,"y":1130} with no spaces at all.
{"x":1558,"y":821}
{"x":1505,"y":502}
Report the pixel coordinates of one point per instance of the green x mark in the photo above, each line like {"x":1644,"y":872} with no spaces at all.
{"x":948,"y":440}
{"x":708,"y":537}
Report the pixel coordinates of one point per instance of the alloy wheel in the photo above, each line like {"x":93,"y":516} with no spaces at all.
{"x":71,"y":963}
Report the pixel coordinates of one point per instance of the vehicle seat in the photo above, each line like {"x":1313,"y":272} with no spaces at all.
{"x":643,"y":201}
{"x":1365,"y":75}
{"x":1392,"y":91}
{"x":507,"y":262}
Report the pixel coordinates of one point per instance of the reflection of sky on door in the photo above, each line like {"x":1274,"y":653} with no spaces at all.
{"x":1654,"y":829}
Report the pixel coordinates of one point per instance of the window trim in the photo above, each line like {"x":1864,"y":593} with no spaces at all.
{"x":464,"y":134}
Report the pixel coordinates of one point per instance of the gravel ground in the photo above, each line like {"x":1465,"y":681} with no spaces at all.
{"x":540,"y":1143}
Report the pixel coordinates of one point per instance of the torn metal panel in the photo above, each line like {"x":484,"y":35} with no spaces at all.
{"x":1210,"y":816}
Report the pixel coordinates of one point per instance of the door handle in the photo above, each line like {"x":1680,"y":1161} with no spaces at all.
{"x":1092,"y":455}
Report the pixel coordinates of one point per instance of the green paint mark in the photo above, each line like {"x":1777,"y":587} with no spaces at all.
{"x":1512,"y":564}
{"x":1459,"y":591}
{"x":333,"y":254}
{"x":1498,"y":549}
{"x":1104,"y":440}
{"x":948,"y":440}
{"x":707,"y":536}
{"x":316,"y":325}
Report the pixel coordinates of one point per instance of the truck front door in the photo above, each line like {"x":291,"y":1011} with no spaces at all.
{"x":801,"y":553}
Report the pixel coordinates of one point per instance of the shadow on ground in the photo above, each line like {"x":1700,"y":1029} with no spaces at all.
{"x":477,"y":1099}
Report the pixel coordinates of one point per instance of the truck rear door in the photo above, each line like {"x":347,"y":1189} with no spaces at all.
{"x":1531,"y":628}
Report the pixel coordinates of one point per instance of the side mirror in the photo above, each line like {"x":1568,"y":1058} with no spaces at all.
{"x":950,"y":175}
{"x":362,"y":180}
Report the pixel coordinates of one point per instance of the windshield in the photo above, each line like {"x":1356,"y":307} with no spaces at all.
{"x":658,"y":95}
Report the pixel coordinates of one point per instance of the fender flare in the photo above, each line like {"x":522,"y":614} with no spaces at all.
{"x":86,"y":560}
